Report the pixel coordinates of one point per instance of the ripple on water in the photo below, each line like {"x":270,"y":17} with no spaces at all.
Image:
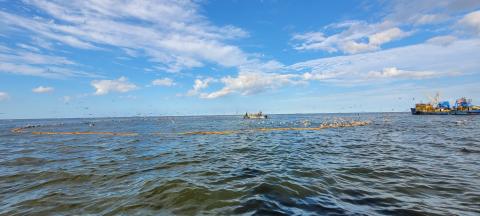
{"x":22,"y":161}
{"x":398,"y":165}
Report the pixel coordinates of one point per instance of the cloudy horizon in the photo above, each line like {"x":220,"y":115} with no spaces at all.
{"x":104,"y":58}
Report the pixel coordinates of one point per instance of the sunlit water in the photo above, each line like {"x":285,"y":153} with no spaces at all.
{"x":398,"y":165}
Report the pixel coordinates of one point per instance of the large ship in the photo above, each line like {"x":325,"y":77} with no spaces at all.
{"x":463,"y":106}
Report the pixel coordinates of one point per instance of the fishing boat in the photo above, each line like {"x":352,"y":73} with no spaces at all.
{"x":463,"y":106}
{"x":258,"y":115}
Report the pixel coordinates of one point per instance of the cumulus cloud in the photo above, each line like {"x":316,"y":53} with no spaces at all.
{"x":421,"y":61}
{"x":354,"y":37}
{"x":251,"y":83}
{"x":4,"y":96}
{"x":175,"y":36}
{"x":386,"y":36}
{"x":471,"y":22}
{"x":198,"y":85}
{"x":163,"y":82}
{"x":43,"y":89}
{"x":121,"y":85}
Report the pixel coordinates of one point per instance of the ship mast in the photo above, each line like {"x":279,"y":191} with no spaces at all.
{"x":435,"y":100}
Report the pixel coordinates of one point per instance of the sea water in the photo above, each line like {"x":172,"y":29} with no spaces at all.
{"x":398,"y":164}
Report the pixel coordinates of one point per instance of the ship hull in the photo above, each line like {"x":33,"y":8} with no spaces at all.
{"x":255,"y":117}
{"x":453,"y":112}
{"x":471,"y":112}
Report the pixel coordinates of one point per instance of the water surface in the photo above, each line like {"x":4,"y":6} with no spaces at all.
{"x":398,"y":165}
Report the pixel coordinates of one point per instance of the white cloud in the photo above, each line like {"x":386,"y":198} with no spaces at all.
{"x":121,"y":85}
{"x":43,"y":89}
{"x":313,"y":41}
{"x":386,"y":36}
{"x":442,"y":40}
{"x":471,"y":22}
{"x":426,"y":19}
{"x":4,"y":96}
{"x":354,"y":37}
{"x":426,"y":12}
{"x":13,"y":60}
{"x":424,"y":60}
{"x":163,"y":82}
{"x":8,"y":54}
{"x":199,"y":85}
{"x":28,"y":47}
{"x":251,"y":83}
{"x":171,"y":34}
{"x":42,"y":71}
{"x":326,"y":75}
{"x":175,"y":36}
{"x":393,"y":72}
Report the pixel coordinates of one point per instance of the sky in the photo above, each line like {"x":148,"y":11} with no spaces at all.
{"x":107,"y":58}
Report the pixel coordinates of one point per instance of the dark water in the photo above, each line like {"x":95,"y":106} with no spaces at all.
{"x":398,"y":165}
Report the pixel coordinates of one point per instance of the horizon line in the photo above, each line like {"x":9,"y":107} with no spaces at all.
{"x":151,"y":116}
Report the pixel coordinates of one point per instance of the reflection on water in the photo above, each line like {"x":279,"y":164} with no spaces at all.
{"x":397,"y":165}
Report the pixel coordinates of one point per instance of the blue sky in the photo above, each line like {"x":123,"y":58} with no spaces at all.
{"x":126,"y":58}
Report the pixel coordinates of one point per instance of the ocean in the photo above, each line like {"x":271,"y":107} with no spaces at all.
{"x":397,"y":164}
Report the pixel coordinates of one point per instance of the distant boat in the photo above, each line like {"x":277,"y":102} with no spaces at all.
{"x":258,"y":115}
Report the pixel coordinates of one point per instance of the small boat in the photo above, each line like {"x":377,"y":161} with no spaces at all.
{"x":258,"y":115}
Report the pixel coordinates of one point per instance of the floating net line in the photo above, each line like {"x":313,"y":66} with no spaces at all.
{"x":321,"y":127}
{"x":336,"y":124}
{"x":25,"y":130}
